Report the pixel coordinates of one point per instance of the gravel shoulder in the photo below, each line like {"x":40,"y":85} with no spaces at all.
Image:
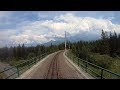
{"x":78,"y":69}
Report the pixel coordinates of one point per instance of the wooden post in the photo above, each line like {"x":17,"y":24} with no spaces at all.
{"x":101,"y":73}
{"x":86,"y":66}
{"x":18,"y":73}
{"x":78,"y":62}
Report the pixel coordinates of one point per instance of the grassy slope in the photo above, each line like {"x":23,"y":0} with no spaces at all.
{"x":108,"y":62}
{"x":112,"y":64}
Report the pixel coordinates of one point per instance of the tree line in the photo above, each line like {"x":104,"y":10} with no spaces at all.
{"x":108,"y":44}
{"x":23,"y":52}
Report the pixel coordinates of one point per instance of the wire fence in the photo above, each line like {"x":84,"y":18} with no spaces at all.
{"x":20,"y":68}
{"x":93,"y":69}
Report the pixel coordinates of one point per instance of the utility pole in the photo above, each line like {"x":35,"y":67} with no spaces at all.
{"x":65,"y":40}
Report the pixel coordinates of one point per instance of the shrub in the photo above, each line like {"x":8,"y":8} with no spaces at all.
{"x":104,"y":61}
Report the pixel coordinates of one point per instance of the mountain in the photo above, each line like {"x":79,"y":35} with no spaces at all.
{"x":54,"y":42}
{"x":77,"y":37}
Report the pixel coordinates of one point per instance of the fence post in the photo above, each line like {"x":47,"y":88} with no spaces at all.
{"x":29,"y":64}
{"x":86,"y":65}
{"x":70,"y":56}
{"x":39,"y":57}
{"x":18,"y":73}
{"x":35,"y":60}
{"x":101,"y":73}
{"x":78,"y":62}
{"x":73,"y":59}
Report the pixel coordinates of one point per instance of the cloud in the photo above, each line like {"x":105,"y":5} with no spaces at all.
{"x":42,"y":31}
{"x":5,"y":36}
{"x":4,"y":17}
{"x":4,"y":14}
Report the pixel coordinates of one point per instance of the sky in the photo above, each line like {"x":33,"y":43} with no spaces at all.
{"x":28,"y":27}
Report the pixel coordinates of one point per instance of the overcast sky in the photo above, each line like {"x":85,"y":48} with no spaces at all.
{"x":43,"y":26}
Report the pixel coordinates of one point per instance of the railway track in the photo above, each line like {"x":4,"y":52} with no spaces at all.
{"x":53,"y":69}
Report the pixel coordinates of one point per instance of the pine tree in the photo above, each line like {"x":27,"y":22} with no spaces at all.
{"x":23,"y":52}
{"x":118,"y":51}
{"x":11,"y":53}
{"x":19,"y":53}
{"x":103,"y":35}
{"x":104,"y":43}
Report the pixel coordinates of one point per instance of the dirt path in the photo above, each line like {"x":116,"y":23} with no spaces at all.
{"x":54,"y":67}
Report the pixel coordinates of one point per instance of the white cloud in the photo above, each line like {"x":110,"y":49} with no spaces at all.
{"x":42,"y":15}
{"x":5,"y":34}
{"x":46,"y":30}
